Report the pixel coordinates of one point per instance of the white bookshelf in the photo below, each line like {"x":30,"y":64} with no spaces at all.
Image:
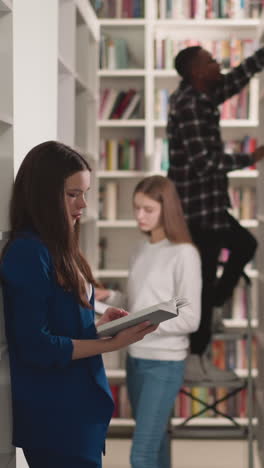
{"x":129,"y":424}
{"x":6,"y":110}
{"x":121,"y":233}
{"x":7,"y":451}
{"x":260,"y":332}
{"x":48,"y":91}
{"x":58,"y":75}
{"x":119,"y":375}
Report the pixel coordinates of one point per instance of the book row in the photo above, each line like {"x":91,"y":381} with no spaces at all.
{"x":201,"y":9}
{"x":124,"y":105}
{"x":119,"y":104}
{"x":243,"y":200}
{"x":245,"y":145}
{"x":123,"y":154}
{"x":108,"y":196}
{"x":119,"y":8}
{"x":180,"y":9}
{"x":187,"y":404}
{"x":225,"y":354}
{"x":237,"y":107}
{"x":233,"y":354}
{"x":228,"y":52}
{"x":237,"y":307}
{"x":128,"y":154}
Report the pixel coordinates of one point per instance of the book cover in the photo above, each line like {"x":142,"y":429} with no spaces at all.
{"x":154,"y":314}
{"x":124,"y":103}
{"x":110,"y":100}
{"x":131,"y":107}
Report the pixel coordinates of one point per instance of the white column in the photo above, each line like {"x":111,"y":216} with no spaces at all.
{"x":35,"y":25}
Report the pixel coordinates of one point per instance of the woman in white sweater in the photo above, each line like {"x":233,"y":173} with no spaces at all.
{"x":166,"y":264}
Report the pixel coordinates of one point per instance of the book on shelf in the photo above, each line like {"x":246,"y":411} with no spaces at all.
{"x":115,"y":395}
{"x":243,"y":201}
{"x":121,"y":401}
{"x":110,"y":58}
{"x":119,"y":8}
{"x":132,"y":106}
{"x":246,"y":145}
{"x":236,"y":107}
{"x":161,"y":100}
{"x":125,"y":410}
{"x":161,"y":154}
{"x":108,"y":201}
{"x":115,"y":112}
{"x":209,"y":9}
{"x":228,"y":52}
{"x":107,"y":101}
{"x":121,"y":104}
{"x":114,"y":53}
{"x":154,"y":314}
{"x":186,"y":406}
{"x":103,"y":97}
{"x":102,"y":246}
{"x":123,"y":154}
{"x":236,"y":307}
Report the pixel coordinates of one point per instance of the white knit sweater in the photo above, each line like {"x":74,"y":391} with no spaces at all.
{"x":159,"y":272}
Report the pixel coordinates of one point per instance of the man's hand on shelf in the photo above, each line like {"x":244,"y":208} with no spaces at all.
{"x":258,"y":154}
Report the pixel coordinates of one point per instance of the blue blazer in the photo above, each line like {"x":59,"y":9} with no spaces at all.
{"x":58,"y":404}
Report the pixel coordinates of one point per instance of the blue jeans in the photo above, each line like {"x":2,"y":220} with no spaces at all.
{"x":152,"y":389}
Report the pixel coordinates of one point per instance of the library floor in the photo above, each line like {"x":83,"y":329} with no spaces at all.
{"x":187,"y":454}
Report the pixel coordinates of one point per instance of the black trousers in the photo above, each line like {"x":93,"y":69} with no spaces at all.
{"x":242,"y":246}
{"x":48,"y":459}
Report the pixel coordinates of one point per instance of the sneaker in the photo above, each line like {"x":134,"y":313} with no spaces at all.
{"x":214,"y":374}
{"x":193,"y":369}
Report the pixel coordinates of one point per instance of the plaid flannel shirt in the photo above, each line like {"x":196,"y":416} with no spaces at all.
{"x":198,"y":163}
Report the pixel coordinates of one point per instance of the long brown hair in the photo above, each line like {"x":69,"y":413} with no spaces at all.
{"x":162,"y":190}
{"x":38,"y":203}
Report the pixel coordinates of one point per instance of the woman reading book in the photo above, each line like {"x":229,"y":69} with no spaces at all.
{"x":61,"y":400}
{"x":166,"y":264}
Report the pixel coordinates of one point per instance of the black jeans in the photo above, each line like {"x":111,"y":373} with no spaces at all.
{"x":242,"y":246}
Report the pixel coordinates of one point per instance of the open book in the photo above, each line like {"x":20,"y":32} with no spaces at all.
{"x":154,"y":314}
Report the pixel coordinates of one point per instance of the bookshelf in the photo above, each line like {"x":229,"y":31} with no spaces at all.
{"x":6,"y":110}
{"x":7,"y":452}
{"x":151,"y":31}
{"x":260,"y":333}
{"x":49,"y":90}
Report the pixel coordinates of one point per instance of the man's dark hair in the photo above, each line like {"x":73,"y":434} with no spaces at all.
{"x":184,"y":59}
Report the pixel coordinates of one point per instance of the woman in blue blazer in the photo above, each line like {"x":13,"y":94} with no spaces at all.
{"x":61,"y":399}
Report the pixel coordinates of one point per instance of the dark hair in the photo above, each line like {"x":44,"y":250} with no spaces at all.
{"x":183,"y":61}
{"x":162,"y":190}
{"x":38,"y":203}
